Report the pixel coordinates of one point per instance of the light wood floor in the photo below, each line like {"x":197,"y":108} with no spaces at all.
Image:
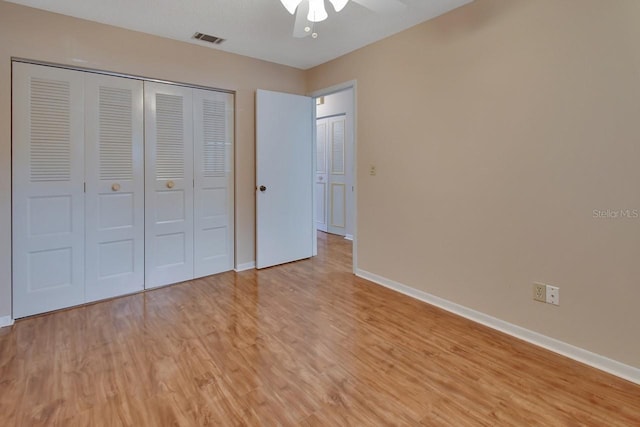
{"x":301,"y":344}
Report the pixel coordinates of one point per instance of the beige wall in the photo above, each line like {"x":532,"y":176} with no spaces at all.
{"x":496,"y":130}
{"x":33,"y":34}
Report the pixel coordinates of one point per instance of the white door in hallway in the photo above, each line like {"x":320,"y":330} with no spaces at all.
{"x":331,"y":175}
{"x":284,"y":178}
{"x":114,"y":186}
{"x":322,"y":177}
{"x":169,"y":184}
{"x":337,"y":197}
{"x":48,"y":189}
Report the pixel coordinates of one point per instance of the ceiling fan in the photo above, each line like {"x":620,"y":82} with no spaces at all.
{"x":308,"y":12}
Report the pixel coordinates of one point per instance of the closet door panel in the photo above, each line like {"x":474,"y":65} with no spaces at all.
{"x":114,"y":187}
{"x":322,"y":176}
{"x":213,"y":189}
{"x":169,"y":184}
{"x":48,"y":195}
{"x":337,"y":214}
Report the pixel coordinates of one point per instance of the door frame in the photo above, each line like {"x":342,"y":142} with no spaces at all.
{"x":351,"y":84}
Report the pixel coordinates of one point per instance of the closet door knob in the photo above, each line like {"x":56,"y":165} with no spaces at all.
{"x":115,"y":187}
{"x":170,"y":184}
{"x":263,"y":188}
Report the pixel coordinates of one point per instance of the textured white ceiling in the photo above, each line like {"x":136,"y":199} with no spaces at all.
{"x":257,"y":28}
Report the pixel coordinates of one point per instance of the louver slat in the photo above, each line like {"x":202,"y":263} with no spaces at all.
{"x":321,"y":147}
{"x":214,"y":123}
{"x":50,"y":144}
{"x":337,"y":147}
{"x":169,"y":134}
{"x":116,"y":134}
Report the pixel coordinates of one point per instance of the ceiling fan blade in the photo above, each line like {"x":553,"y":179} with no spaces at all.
{"x":338,"y":5}
{"x":301,"y":21}
{"x":382,"y":6}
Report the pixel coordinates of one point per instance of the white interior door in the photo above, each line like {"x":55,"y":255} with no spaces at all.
{"x":169,"y":184}
{"x":213,"y":190}
{"x":322,"y":180}
{"x":114,"y":175}
{"x":284,"y":178}
{"x":337,"y":209}
{"x":48,"y":194}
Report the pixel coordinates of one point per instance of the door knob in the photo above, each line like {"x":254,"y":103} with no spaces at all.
{"x":170,"y":184}
{"x":263,"y":188}
{"x":115,"y":187}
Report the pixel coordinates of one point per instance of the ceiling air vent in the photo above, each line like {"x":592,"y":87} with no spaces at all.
{"x":208,"y":38}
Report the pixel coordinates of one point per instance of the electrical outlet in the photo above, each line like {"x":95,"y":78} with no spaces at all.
{"x":553,"y":295}
{"x":372,"y":170}
{"x":540,"y":292}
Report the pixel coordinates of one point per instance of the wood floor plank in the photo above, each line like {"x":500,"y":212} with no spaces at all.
{"x":305,"y":343}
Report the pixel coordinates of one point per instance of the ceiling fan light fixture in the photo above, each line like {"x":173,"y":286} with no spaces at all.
{"x":291,"y":5}
{"x":317,"y":12}
{"x":338,"y":5}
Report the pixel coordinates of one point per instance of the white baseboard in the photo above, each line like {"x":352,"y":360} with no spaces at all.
{"x":245,"y":266}
{"x":5,"y":321}
{"x":349,"y":237}
{"x":597,"y":361}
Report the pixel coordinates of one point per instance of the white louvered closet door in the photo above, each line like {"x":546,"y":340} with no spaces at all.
{"x":337,"y":176}
{"x":213,"y":189}
{"x":169,"y":184}
{"x":322,"y":177}
{"x":114,"y":178}
{"x":48,"y":198}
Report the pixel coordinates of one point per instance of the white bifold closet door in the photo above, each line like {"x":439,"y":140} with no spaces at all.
{"x":169,"y":184}
{"x":48,"y":194}
{"x":114,"y":200}
{"x":322,"y":177}
{"x":78,"y":188}
{"x":337,"y":197}
{"x":118,"y":186}
{"x":331,"y":183}
{"x":213,"y":184}
{"x":189,"y":183}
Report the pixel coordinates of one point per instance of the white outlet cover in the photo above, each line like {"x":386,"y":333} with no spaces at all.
{"x":553,"y":295}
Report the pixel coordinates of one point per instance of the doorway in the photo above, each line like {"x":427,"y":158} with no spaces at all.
{"x":335,"y":165}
